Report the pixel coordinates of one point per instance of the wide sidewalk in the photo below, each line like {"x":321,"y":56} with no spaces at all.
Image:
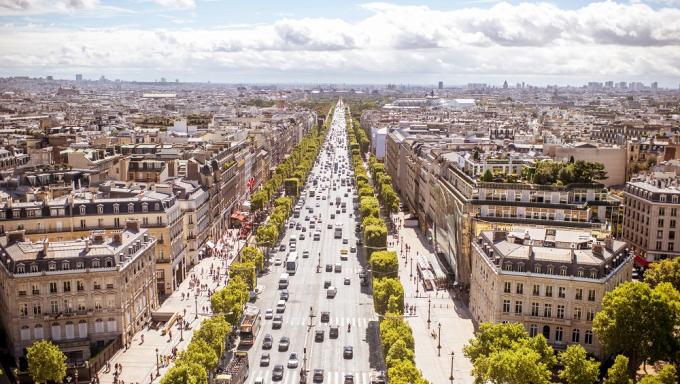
{"x":456,"y":323}
{"x":139,"y":360}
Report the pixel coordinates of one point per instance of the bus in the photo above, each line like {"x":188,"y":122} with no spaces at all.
{"x":291,"y":263}
{"x":338,"y":231}
{"x":250,"y":325}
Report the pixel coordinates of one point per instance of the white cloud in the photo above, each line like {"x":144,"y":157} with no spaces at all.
{"x":26,"y":7}
{"x":539,"y":40}
{"x":176,"y":4}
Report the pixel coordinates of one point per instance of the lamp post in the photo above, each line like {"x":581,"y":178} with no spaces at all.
{"x":428,"y":312}
{"x":181,"y":328}
{"x":196,"y":303}
{"x":411,"y":275}
{"x":158,"y":365}
{"x":75,"y":373}
{"x":439,"y":343}
{"x":451,"y":375}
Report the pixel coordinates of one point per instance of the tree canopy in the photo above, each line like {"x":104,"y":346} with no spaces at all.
{"x":578,"y":368}
{"x":46,"y":362}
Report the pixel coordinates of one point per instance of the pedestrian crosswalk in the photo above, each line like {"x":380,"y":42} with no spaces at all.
{"x":293,"y":376}
{"x":361,"y":322}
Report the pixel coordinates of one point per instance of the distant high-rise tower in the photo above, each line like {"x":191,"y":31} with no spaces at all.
{"x":441,"y":85}
{"x":655,"y":86}
{"x":79,"y":77}
{"x":505,"y":84}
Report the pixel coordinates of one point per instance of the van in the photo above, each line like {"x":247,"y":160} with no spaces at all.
{"x":283,"y":280}
{"x":331,"y":292}
{"x":281,"y":306}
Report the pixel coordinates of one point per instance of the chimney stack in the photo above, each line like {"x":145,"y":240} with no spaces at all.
{"x":132,"y":225}
{"x":16,"y":237}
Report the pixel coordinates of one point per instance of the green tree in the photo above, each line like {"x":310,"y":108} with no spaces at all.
{"x":376,"y":237}
{"x":213,"y":331}
{"x":405,"y":371}
{"x":46,"y":362}
{"x":246,"y":271}
{"x":664,"y":271}
{"x":394,"y":328}
{"x":292,"y":186}
{"x":518,"y":365}
{"x":383,"y":290}
{"x":190,"y":373}
{"x":399,"y":351}
{"x":618,"y":373}
{"x":201,"y":353}
{"x":578,"y":368}
{"x":487,"y":176}
{"x":259,"y":200}
{"x":667,"y":375}
{"x":266,"y":236}
{"x":492,"y":337}
{"x":639,"y":322}
{"x":384,"y":264}
{"x":253,"y":255}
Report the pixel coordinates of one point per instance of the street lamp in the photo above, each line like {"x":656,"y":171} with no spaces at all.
{"x":181,"y":328}
{"x":439,"y":343}
{"x":158,"y":365}
{"x":428,"y":312}
{"x":451,"y":375}
{"x":196,"y":302}
{"x":411,"y":267}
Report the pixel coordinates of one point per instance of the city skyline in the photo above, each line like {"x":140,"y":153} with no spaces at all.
{"x":562,"y":43}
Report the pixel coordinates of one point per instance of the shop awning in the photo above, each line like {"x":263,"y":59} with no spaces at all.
{"x":641,"y":261}
{"x":238,"y":216}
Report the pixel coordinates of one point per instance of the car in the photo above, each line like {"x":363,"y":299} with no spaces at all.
{"x":311,"y":225}
{"x":259,"y":380}
{"x":329,"y":267}
{"x":306,"y":218}
{"x":353,"y":249}
{"x":284,"y":343}
{"x":325,"y":316}
{"x":277,"y":323}
{"x":332,"y":215}
{"x":318,"y":335}
{"x":302,"y":236}
{"x":343,"y":251}
{"x":293,"y":360}
{"x":282,"y":247}
{"x":329,"y":226}
{"x":277,"y":261}
{"x":317,"y":205}
{"x":268,"y":314}
{"x":317,"y":377}
{"x":277,"y":373}
{"x":333,"y":331}
{"x":337,"y":211}
{"x":345,"y":194}
{"x":298,"y":226}
{"x":348,"y":352}
{"x":345,"y":241}
{"x":267,"y":342}
{"x":349,"y":379}
{"x":291,"y":224}
{"x":326,"y":284}
{"x":265,"y":359}
{"x":344,"y":210}
{"x":338,"y":267}
{"x":347,"y":281}
{"x":292,"y":247}
{"x":331,"y":292}
{"x":283,"y":295}
{"x":305,"y":254}
{"x":304,"y":229}
{"x":323,"y":197}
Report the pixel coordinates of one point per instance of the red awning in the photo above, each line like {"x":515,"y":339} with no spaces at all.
{"x":641,"y":261}
{"x":238,"y":216}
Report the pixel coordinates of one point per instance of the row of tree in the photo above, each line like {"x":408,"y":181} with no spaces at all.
{"x":383,"y":181}
{"x":388,"y":292}
{"x":208,"y":342}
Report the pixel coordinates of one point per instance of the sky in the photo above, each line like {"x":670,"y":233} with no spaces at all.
{"x":349,"y":41}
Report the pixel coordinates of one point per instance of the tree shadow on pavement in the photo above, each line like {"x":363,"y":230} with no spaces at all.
{"x":375,"y":355}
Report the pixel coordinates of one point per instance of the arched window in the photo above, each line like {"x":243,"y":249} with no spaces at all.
{"x":95,"y":263}
{"x":116,"y":208}
{"x":52,"y":266}
{"x":131,"y":208}
{"x":100,"y":209}
{"x":537,"y":268}
{"x":21,"y":268}
{"x":563,"y":271}
{"x":109,"y":262}
{"x":551,"y":270}
{"x":576,"y":336}
{"x":34,"y":267}
{"x":589,"y":334}
{"x":546,"y":332}
{"x":82,"y":209}
{"x":145,"y":207}
{"x":65,"y":265}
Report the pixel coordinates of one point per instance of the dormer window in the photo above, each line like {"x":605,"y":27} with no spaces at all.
{"x":551,"y":270}
{"x":21,"y":268}
{"x":82,"y":210}
{"x":145,"y":207}
{"x":662,"y":198}
{"x":593,"y":273}
{"x":537,"y":268}
{"x":52,"y":266}
{"x":95,"y":263}
{"x":156,"y":207}
{"x":65,"y":266}
{"x":131,"y":208}
{"x":100,"y":209}
{"x":674,"y":199}
{"x":563,"y":271}
{"x":116,"y":208}
{"x":34,"y":268}
{"x":80,"y":265}
{"x":109,"y":263}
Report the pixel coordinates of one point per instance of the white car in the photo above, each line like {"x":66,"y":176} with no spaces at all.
{"x":277,"y":261}
{"x":268,"y":314}
{"x":293,"y":360}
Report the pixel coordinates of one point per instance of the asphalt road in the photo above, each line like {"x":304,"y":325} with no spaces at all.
{"x":353,"y":303}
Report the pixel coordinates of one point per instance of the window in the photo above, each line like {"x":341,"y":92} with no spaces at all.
{"x":34,"y":268}
{"x":658,"y":245}
{"x":659,"y":234}
{"x":506,"y":306}
{"x":52,"y":266}
{"x":671,"y":246}
{"x":671,"y":235}
{"x":507,"y":287}
{"x":53,"y":287}
{"x":80,"y":265}
{"x":547,"y":310}
{"x":116,"y":208}
{"x":65,"y":265}
{"x":576,"y":335}
{"x":100,"y":209}
{"x":116,"y":221}
{"x":82,"y":210}
{"x":145,"y":221}
{"x":660,"y":223}
{"x":662,"y":211}
{"x":83,"y":223}
{"x":537,"y":268}
{"x":131,"y":208}
{"x":80,"y":286}
{"x":36,"y":289}
{"x":560,"y":311}
{"x":37,"y":310}
{"x":589,"y":337}
{"x":67,"y":286}
{"x":593,"y":273}
{"x":577,"y":313}
{"x":54,"y":306}
{"x":145,"y":207}
{"x":558,"y":333}
{"x":507,"y":266}
{"x":534,"y":309}
{"x":533,"y":330}
{"x":548,"y":290}
{"x":21,"y":268}
{"x":551,"y":270}
{"x":561,"y":292}
{"x":580,"y":272}
{"x":23,"y":309}
{"x":518,"y":307}
{"x":563,"y":271}
{"x":156,"y":207}
{"x":520,"y":267}
{"x":672,"y":224}
{"x":159,"y":220}
{"x":95,"y":263}
{"x":674,"y":211}
{"x":537,"y":290}
{"x":519,"y":288}
{"x":590,"y":315}
{"x":591,"y":295}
